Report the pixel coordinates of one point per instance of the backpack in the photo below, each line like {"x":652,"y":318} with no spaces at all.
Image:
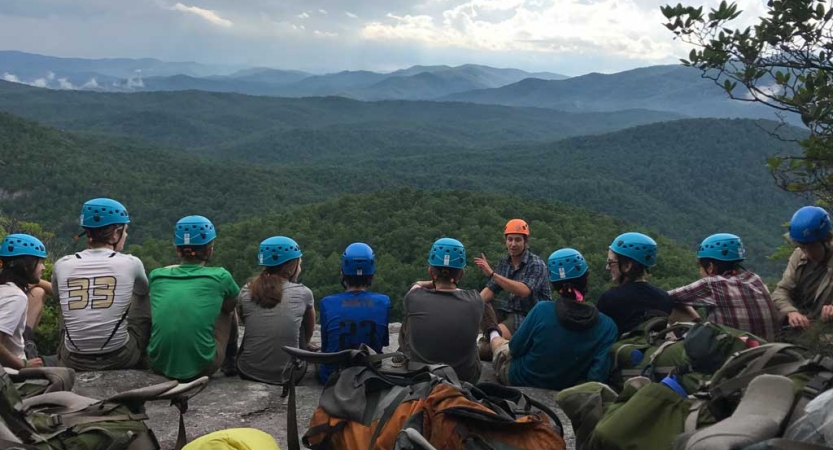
{"x":63,"y":420}
{"x":33,"y":381}
{"x":811,"y":376}
{"x":363,"y":407}
{"x":692,"y":351}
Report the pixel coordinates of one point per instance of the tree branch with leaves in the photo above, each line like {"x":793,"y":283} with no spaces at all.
{"x":783,"y":62}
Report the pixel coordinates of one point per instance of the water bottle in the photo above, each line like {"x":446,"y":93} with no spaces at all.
{"x":636,"y":357}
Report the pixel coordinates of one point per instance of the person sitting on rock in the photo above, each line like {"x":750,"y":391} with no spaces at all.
{"x":277,"y":311}
{"x":630,"y":258}
{"x":560,"y":343}
{"x":805,"y":292}
{"x":355,"y":316}
{"x":103,"y":295}
{"x":193,"y":307}
{"x":732,"y":296}
{"x":441,"y":322}
{"x":21,"y":265}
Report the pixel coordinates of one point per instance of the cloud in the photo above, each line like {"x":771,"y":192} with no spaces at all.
{"x":324,"y":34}
{"x":206,"y":14}
{"x":323,"y":11}
{"x":92,"y":84}
{"x":350,"y":15}
{"x":303,"y":15}
{"x":619,"y":27}
{"x":64,"y":83}
{"x":40,"y":82}
{"x":135,"y":82}
{"x":10,"y":77}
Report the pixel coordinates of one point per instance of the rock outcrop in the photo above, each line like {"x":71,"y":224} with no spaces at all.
{"x":229,"y":402}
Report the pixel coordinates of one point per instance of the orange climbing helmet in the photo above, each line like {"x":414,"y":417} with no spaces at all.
{"x":516,"y":226}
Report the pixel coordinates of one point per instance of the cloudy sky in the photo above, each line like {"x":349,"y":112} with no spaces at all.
{"x":566,"y":36}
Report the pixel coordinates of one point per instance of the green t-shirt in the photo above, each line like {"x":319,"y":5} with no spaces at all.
{"x":185,"y":301}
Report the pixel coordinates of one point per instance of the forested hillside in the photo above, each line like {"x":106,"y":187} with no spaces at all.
{"x":687,"y":179}
{"x":204,"y":120}
{"x":401,"y":225}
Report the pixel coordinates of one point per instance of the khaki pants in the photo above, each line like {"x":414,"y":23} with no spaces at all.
{"x":498,"y":317}
{"x":501,"y":361}
{"x":130,"y":356}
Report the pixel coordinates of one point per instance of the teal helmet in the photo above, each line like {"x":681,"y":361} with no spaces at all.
{"x":566,"y":264}
{"x":277,"y":250}
{"x":358,"y":259}
{"x":100,"y":212}
{"x":447,"y":252}
{"x":194,"y":230}
{"x":722,"y":247}
{"x":22,"y":245}
{"x":637,"y":247}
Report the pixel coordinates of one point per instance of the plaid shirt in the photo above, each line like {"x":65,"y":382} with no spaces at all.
{"x":532,"y":272}
{"x":741,"y":301}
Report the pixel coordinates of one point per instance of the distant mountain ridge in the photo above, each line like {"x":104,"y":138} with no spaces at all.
{"x":143,"y":75}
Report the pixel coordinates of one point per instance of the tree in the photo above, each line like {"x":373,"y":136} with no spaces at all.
{"x":784,"y":62}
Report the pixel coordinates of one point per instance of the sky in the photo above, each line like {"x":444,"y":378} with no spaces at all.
{"x":571,"y":37}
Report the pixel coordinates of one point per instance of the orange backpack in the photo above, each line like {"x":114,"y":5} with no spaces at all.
{"x":366,"y":408}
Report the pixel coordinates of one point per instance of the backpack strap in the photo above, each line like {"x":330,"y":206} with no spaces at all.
{"x":394,"y":404}
{"x":693,"y":415}
{"x":786,"y":444}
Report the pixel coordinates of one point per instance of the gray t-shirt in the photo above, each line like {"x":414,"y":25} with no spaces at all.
{"x":442,"y":327}
{"x":268,"y":329}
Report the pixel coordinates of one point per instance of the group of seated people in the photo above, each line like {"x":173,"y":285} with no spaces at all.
{"x":182,"y":320}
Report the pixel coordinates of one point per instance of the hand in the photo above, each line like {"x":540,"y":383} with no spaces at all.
{"x":483,"y":264}
{"x":798,"y":320}
{"x":313,"y":347}
{"x":34,"y":362}
{"x":827,"y":313}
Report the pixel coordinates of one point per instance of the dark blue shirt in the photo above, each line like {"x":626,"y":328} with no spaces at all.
{"x":350,"y":319}
{"x":631,"y":303}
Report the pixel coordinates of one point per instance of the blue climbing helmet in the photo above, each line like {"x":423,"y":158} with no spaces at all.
{"x":100,"y":212}
{"x":722,"y":247}
{"x":447,"y":252}
{"x":810,"y":224}
{"x":358,"y":259}
{"x":566,"y":264}
{"x":22,"y":245}
{"x":194,"y":230}
{"x":277,"y":250}
{"x":637,"y":247}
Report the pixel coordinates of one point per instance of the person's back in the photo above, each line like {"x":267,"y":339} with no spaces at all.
{"x":441,"y":322}
{"x":192,"y":306}
{"x":352,"y":318}
{"x":277,"y":312}
{"x":356,"y":316}
{"x":186,"y":301}
{"x":565,"y":342}
{"x":631,"y":303}
{"x":442,"y":327}
{"x":732,"y":296}
{"x":560,"y":343}
{"x":629,"y":259}
{"x":268,"y":329}
{"x":95,"y":287}
{"x":102,"y":294}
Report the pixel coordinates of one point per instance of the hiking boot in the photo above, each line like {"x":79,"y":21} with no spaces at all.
{"x":484,"y":349}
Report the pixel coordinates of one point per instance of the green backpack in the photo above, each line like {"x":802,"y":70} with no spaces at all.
{"x":62,"y":420}
{"x":692,"y":351}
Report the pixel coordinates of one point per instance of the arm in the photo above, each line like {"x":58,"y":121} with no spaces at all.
{"x":518,"y":288}
{"x":324,"y":332}
{"x":46,"y":286}
{"x":309,"y":325}
{"x":140,"y":282}
{"x":7,"y":359}
{"x":782,"y":295}
{"x":487,"y":294}
{"x":521,"y":341}
{"x":698,"y":293}
{"x":600,"y":366}
{"x":232,"y":290}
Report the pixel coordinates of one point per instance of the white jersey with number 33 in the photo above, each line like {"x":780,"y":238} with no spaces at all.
{"x":95,"y":287}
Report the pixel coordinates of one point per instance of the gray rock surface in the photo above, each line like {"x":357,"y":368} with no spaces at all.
{"x":234,"y":403}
